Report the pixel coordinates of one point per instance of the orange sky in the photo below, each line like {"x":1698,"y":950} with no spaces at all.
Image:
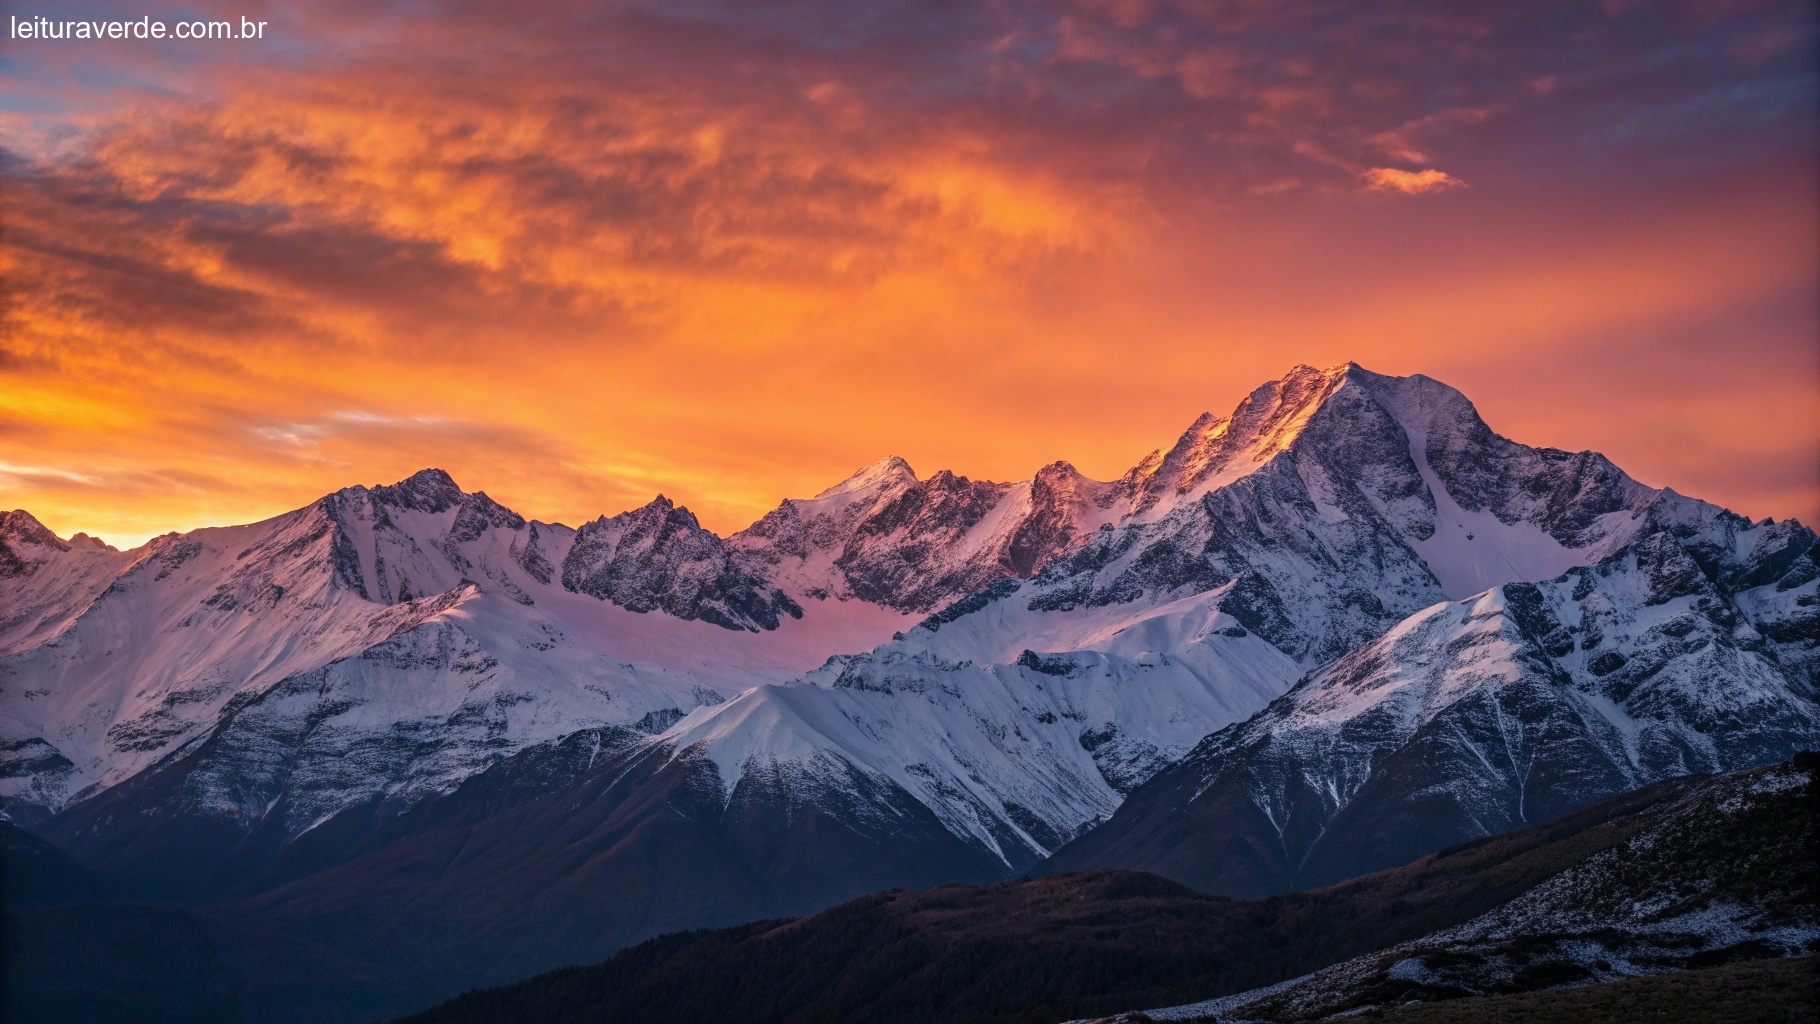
{"x":601,"y":251}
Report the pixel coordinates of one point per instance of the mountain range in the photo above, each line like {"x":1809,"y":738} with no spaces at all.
{"x":1342,"y":627}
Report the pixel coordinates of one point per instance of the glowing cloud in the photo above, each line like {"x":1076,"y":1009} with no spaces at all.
{"x":1410,"y":183}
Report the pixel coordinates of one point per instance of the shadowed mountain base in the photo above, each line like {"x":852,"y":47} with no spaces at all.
{"x":1067,"y":946}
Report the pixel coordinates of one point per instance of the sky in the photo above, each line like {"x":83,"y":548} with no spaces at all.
{"x":578,"y":254}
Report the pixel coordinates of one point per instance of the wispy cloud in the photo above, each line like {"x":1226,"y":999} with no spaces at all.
{"x":30,"y":474}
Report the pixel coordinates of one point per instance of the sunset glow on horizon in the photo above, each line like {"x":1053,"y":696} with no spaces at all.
{"x":578,"y":256}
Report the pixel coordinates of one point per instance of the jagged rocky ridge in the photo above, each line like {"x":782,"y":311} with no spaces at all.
{"x":886,"y":537}
{"x":658,"y":558}
{"x":241,"y":708}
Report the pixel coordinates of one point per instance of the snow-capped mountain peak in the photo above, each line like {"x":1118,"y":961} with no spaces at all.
{"x":22,"y":527}
{"x":25,"y":544}
{"x":887,"y":474}
{"x":47,"y":580}
{"x":427,"y":490}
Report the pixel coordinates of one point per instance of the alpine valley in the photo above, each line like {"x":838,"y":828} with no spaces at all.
{"x":408,"y":729}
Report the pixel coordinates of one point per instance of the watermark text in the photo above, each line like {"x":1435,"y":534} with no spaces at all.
{"x":40,"y":27}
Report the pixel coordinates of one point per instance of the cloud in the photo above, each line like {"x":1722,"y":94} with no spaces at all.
{"x":1410,"y":183}
{"x":1401,"y":142}
{"x":730,"y":251}
{"x":52,"y":473}
{"x":1275,"y":188}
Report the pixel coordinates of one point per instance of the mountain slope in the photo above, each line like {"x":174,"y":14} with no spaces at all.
{"x":1689,"y":650}
{"x":1726,"y":872}
{"x":48,"y":580}
{"x":1070,"y":945}
{"x":638,"y":846}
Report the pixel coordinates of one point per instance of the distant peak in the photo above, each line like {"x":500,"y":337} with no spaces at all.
{"x":22,"y":525}
{"x":1306,"y":388}
{"x":1301,"y":376}
{"x":889,"y":466}
{"x":1303,"y":371}
{"x":427,"y":490}
{"x":661,"y":507}
{"x":887,"y":472}
{"x":436,"y":478}
{"x":1414,"y":400}
{"x":658,"y":509}
{"x":19,"y":521}
{"x":1372,"y":379}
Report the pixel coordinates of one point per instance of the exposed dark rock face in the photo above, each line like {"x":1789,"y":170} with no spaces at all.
{"x":1058,"y":496}
{"x":658,"y":558}
{"x":894,"y":556}
{"x":428,"y":490}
